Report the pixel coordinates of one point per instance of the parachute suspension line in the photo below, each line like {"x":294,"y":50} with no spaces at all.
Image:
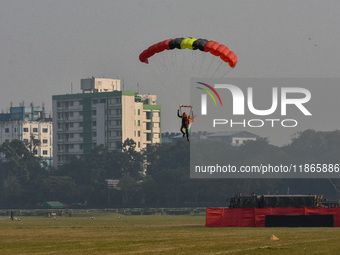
{"x":217,"y":69}
{"x":176,"y":76}
{"x":193,"y":65}
{"x":172,"y":58}
{"x":211,"y":62}
{"x":183,"y":66}
{"x":203,"y":57}
{"x":157,"y":65}
{"x":196,"y":58}
{"x":225,"y":73}
{"x":154,"y":72}
{"x":163,"y":70}
{"x":171,"y":75}
{"x":166,"y":64}
{"x":199,"y":64}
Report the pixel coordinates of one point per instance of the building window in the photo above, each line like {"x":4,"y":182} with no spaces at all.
{"x":80,"y":124}
{"x":138,"y":111}
{"x":94,"y":134}
{"x":35,"y":130}
{"x":148,"y":115}
{"x":45,"y":130}
{"x":45,"y":141}
{"x":138,"y":133}
{"x":148,"y":126}
{"x":118,"y":122}
{"x":148,"y":136}
{"x":118,"y":133}
{"x":94,"y":112}
{"x":25,"y":129}
{"x":103,"y":100}
{"x":6,"y":130}
{"x":44,"y":152}
{"x":94,"y":123}
{"x":138,"y":123}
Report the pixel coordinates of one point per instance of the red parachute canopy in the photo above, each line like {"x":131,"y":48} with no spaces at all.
{"x":213,"y":47}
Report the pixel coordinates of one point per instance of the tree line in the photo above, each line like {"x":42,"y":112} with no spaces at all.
{"x":158,"y":176}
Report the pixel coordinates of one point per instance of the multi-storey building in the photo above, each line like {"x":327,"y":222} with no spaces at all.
{"x":103,"y":115}
{"x":29,"y":125}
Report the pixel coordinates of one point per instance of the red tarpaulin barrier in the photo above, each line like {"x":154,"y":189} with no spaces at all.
{"x":255,"y":217}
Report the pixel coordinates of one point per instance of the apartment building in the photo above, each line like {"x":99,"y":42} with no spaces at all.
{"x":103,"y":115}
{"x":29,"y":125}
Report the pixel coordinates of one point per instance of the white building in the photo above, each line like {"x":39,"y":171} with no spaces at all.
{"x":235,"y":138}
{"x":29,"y":125}
{"x":103,"y":115}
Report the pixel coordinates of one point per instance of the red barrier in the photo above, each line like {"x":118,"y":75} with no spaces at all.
{"x":255,"y":217}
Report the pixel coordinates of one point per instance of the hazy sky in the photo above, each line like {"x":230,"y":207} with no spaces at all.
{"x":48,"y":45}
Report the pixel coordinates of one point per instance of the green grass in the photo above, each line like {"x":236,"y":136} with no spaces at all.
{"x":155,"y":234}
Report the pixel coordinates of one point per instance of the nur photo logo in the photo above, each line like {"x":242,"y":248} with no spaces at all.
{"x":283,"y":101}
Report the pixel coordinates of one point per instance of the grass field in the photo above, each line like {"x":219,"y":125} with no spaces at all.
{"x":106,"y":233}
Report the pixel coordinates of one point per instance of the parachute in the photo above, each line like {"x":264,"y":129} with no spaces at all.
{"x":204,"y":45}
{"x":173,"y":67}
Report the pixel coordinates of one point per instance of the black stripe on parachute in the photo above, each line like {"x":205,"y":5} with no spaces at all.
{"x":175,"y":43}
{"x":199,"y":44}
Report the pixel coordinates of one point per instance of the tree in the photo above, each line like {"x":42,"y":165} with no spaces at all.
{"x":16,"y":171}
